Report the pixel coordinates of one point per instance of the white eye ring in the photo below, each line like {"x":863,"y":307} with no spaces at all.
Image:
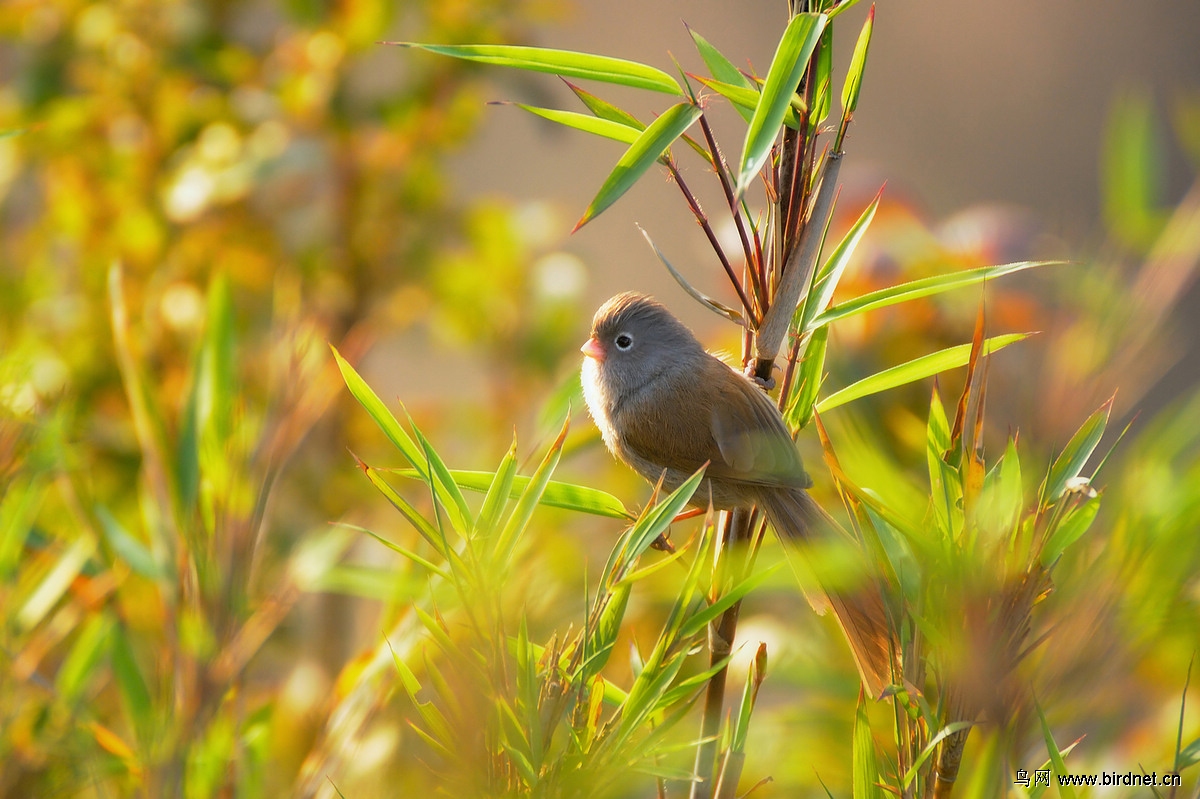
{"x":624,"y":342}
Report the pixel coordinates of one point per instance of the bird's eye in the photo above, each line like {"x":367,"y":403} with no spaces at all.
{"x":624,"y":342}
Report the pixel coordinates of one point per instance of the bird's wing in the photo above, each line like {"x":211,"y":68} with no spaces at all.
{"x":730,"y":423}
{"x":752,"y":439}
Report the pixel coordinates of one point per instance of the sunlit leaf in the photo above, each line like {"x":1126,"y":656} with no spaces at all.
{"x":617,"y":131}
{"x":746,"y":100}
{"x":925,"y":287}
{"x":1070,"y":530}
{"x":567,"y":63}
{"x":914,"y":370}
{"x":853,"y":84}
{"x":55,"y":583}
{"x":569,"y":496}
{"x":823,"y":94}
{"x":808,"y":380}
{"x":827,"y":279}
{"x":641,"y":155}
{"x":1074,"y":456}
{"x":604,"y":109}
{"x":866,"y":767}
{"x":721,"y":67}
{"x":791,"y":59}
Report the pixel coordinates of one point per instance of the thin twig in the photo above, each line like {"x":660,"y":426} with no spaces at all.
{"x":722,"y":170}
{"x":698,"y":212}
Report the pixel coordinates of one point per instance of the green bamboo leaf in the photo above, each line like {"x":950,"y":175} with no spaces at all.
{"x":431,"y":534}
{"x":914,"y":370}
{"x":131,"y":684}
{"x":791,"y":59}
{"x":383,"y":584}
{"x":439,"y":735}
{"x":216,"y":393}
{"x":399,"y":550}
{"x":499,"y":490}
{"x":127,"y":547}
{"x":858,"y":62}
{"x":422,"y":457}
{"x":721,"y":67}
{"x":746,"y":100}
{"x":808,"y":381}
{"x":641,"y":155}
{"x":865,"y":765}
{"x":655,"y":520}
{"x":568,"y":496}
{"x":55,"y":583}
{"x":567,"y":63}
{"x":1070,"y":462}
{"x":1070,"y":530}
{"x":754,"y":678}
{"x":79,"y":667}
{"x":945,"y":732}
{"x":725,"y":72}
{"x":823,"y":96}
{"x":604,"y":109}
{"x":821,"y":294}
{"x":916,"y":289}
{"x":1056,"y":759}
{"x":605,"y":128}
{"x":443,"y":485}
{"x":518,"y":521}
{"x":604,"y":636}
{"x":698,"y":622}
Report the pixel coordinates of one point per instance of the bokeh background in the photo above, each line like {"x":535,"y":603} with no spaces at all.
{"x":196,"y":196}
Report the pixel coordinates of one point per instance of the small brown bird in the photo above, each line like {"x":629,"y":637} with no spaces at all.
{"x":665,"y":407}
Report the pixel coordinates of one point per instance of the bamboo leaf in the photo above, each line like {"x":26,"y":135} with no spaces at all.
{"x":422,"y":457}
{"x":567,"y":496}
{"x":791,"y":59}
{"x":866,"y":767}
{"x":915,"y":289}
{"x":1070,"y":462}
{"x":604,"y":109}
{"x":945,"y":732}
{"x":1070,"y":530}
{"x":127,"y":547}
{"x":518,"y":521}
{"x":605,"y":128}
{"x":131,"y":684}
{"x":55,"y":583}
{"x":808,"y":381}
{"x":826,"y":283}
{"x":567,"y":63}
{"x":641,"y":155}
{"x":721,"y":67}
{"x":914,"y":370}
{"x":745,"y":100}
{"x":858,"y":62}
{"x":823,"y":96}
{"x":499,"y":491}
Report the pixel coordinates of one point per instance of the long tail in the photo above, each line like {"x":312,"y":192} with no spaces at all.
{"x":800,"y":521}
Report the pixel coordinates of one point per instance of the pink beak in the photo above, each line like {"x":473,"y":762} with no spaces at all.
{"x":592,"y":348}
